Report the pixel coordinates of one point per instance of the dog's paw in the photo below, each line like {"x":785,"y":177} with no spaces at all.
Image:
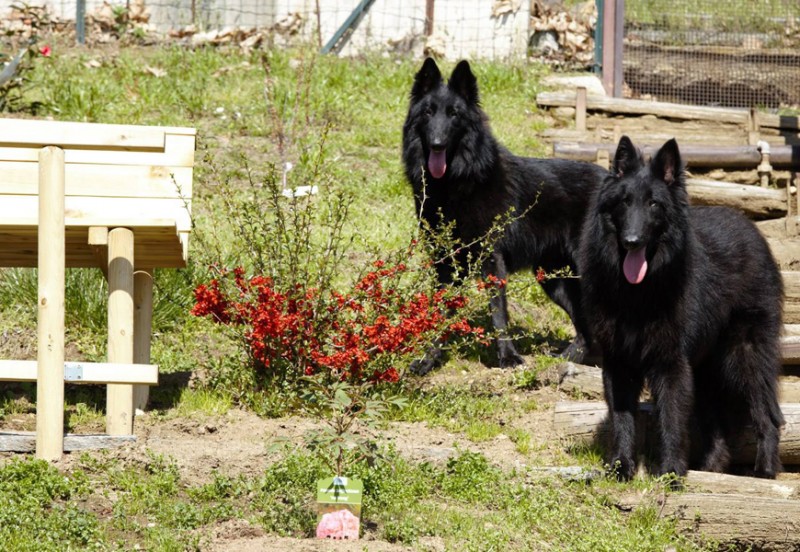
{"x":575,"y":352}
{"x":621,"y":468}
{"x":510,"y":360}
{"x":431,"y":360}
{"x":422,"y":367}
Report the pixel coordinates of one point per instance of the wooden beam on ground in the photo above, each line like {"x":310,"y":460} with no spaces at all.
{"x":722,"y":483}
{"x":755,"y":202}
{"x":119,"y":397}
{"x":747,"y":522}
{"x":50,"y":319}
{"x":25,"y":441}
{"x":84,"y":372}
{"x":587,"y":381}
{"x":778,"y":228}
{"x":584,"y":422}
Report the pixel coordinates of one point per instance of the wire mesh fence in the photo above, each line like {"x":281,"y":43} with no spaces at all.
{"x":704,"y":52}
{"x":495,"y":29}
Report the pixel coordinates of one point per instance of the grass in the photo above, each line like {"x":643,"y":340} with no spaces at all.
{"x":101,"y":502}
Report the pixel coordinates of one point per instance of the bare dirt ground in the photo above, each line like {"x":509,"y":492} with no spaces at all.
{"x":239,"y":443}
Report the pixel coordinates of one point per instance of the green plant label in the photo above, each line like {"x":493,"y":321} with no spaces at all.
{"x":339,"y":508}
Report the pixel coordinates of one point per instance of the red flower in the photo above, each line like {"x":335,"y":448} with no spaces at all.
{"x":541,"y":275}
{"x":45,"y":50}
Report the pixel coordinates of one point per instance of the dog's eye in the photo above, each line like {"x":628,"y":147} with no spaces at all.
{"x":653,"y":204}
{"x":627,"y":200}
{"x":452,"y":112}
{"x":428,"y":111}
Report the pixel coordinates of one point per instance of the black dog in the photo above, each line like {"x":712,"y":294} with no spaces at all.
{"x":460,"y":174}
{"x":689,"y":300}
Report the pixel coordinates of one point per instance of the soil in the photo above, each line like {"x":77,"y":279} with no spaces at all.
{"x":239,"y":443}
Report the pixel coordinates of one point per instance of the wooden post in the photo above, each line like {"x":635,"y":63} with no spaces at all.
{"x":119,"y":397}
{"x":429,"y":17}
{"x":580,"y":109}
{"x":613,"y":14}
{"x":142,"y":329}
{"x":51,"y":264}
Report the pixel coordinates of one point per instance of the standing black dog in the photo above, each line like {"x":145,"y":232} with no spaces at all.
{"x":461,"y":175}
{"x":689,"y":300}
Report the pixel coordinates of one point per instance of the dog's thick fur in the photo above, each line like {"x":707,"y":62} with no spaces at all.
{"x":688,"y":300}
{"x":460,"y":174}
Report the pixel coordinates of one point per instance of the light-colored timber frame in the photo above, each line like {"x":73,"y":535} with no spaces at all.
{"x":115,"y":197}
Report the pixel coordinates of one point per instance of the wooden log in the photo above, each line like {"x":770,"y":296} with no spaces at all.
{"x":746,"y":522}
{"x":119,"y":397}
{"x":754,"y":201}
{"x":694,"y":155}
{"x":643,"y":107}
{"x":721,"y":483}
{"x":142,"y":329}
{"x":50,"y":324}
{"x":786,"y":252}
{"x":585,"y":422}
{"x":667,"y":110}
{"x":778,"y":228}
{"x":587,"y":381}
{"x":25,"y":441}
{"x":581,"y":379}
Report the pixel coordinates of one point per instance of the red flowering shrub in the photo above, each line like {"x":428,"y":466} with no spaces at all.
{"x":369,"y":333}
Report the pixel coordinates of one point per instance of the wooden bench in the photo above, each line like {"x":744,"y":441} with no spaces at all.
{"x":115,"y":197}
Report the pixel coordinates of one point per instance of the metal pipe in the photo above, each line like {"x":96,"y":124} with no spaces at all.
{"x":349,"y":24}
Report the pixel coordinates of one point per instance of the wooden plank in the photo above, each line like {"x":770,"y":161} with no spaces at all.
{"x":50,"y":306}
{"x":178,"y":152}
{"x":25,"y":441}
{"x":87,"y":372}
{"x":100,"y":211}
{"x":38,"y":133}
{"x":119,"y":397}
{"x":158,"y":246}
{"x":139,"y":181}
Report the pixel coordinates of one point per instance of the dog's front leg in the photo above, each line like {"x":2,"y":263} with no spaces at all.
{"x":621,"y":387}
{"x":498,"y":306}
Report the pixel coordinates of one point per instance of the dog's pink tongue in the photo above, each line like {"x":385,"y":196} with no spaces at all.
{"x":437,"y":163}
{"x":635,"y":265}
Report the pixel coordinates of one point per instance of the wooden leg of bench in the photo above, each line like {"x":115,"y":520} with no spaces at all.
{"x":142,"y":329}
{"x":50,"y":324}
{"x":119,"y":397}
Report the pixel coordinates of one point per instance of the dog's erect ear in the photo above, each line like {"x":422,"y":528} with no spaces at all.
{"x":428,"y":78}
{"x":627,"y":159}
{"x":666,"y":164}
{"x":464,"y":83}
